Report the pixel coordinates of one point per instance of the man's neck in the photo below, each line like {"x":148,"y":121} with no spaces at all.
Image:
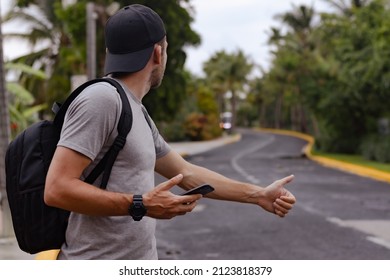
{"x":138,"y":85}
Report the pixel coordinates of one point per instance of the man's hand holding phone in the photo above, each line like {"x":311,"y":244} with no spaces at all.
{"x":161,"y":203}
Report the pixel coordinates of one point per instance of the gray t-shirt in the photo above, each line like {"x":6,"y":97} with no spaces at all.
{"x":90,"y":127}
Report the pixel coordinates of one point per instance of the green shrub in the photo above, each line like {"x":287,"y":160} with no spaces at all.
{"x":376,"y":148}
{"x":173,"y":131}
{"x":198,"y":126}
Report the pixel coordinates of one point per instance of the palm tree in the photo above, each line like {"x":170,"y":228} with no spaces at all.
{"x":215,"y":77}
{"x":345,"y":8}
{"x":47,"y":37}
{"x":299,"y":21}
{"x":296,"y":45}
{"x":228,"y":73}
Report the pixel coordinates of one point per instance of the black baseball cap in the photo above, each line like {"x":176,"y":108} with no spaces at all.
{"x":130,"y":35}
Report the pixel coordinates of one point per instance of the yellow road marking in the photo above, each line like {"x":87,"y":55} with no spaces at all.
{"x":352,"y":168}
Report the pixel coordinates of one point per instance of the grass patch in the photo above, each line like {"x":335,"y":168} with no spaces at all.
{"x":356,"y":159}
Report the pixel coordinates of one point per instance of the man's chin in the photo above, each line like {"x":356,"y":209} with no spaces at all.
{"x":156,"y":85}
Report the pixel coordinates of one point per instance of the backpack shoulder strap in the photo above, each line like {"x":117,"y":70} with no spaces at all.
{"x":124,"y":127}
{"x":60,"y":109}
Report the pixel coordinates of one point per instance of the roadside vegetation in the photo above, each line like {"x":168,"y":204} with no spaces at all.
{"x":329,"y":76}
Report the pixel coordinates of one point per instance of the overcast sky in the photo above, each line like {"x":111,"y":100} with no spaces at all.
{"x":238,"y":24}
{"x":222,"y":24}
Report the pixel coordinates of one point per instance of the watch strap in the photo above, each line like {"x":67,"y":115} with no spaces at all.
{"x":137,"y":209}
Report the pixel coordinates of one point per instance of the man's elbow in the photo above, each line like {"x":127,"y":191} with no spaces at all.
{"x":50,"y":195}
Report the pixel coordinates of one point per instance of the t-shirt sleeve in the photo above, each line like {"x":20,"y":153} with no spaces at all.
{"x":90,"y":120}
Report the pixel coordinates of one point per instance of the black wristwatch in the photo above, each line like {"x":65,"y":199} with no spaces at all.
{"x":137,"y":209}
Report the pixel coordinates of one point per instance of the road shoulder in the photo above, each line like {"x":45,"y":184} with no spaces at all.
{"x":328,"y":162}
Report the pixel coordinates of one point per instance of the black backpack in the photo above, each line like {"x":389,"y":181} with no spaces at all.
{"x":39,"y":227}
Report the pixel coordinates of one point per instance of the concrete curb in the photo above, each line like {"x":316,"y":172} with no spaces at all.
{"x":352,"y":168}
{"x":187,"y":149}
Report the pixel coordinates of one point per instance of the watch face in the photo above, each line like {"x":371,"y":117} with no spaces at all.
{"x":137,"y":210}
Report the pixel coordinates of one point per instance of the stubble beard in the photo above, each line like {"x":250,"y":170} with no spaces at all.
{"x":156,"y":78}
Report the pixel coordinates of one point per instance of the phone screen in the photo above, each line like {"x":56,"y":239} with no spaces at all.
{"x":203,"y":190}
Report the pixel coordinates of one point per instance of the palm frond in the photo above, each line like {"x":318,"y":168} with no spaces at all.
{"x":38,"y":19}
{"x":20,"y":93}
{"x":26,"y":69}
{"x":32,"y":111}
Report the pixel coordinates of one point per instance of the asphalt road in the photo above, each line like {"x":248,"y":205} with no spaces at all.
{"x":338,"y":216}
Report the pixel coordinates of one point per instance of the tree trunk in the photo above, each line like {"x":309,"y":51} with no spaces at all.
{"x":316,"y":129}
{"x":278,"y":111}
{"x":221,"y":102}
{"x":234,"y":110}
{"x":261,"y":112}
{"x":5,"y":216}
{"x":303,"y":119}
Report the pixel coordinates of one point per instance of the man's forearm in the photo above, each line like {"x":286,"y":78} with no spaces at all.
{"x":83,"y":198}
{"x":225,"y":188}
{"x":274,"y":198}
{"x":194,"y":175}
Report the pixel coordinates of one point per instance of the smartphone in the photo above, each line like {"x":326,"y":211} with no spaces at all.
{"x":203,"y":190}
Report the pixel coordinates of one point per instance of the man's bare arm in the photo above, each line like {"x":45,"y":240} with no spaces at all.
{"x":273,"y":198}
{"x":64,"y":189}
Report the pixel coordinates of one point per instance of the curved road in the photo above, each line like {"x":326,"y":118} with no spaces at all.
{"x":337,"y":216}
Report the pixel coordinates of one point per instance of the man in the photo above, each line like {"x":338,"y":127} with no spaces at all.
{"x":110,"y":224}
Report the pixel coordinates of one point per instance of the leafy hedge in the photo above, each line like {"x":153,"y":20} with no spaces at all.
{"x":377,"y":148}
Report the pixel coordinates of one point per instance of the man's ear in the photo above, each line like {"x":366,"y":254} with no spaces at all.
{"x":157,"y":54}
